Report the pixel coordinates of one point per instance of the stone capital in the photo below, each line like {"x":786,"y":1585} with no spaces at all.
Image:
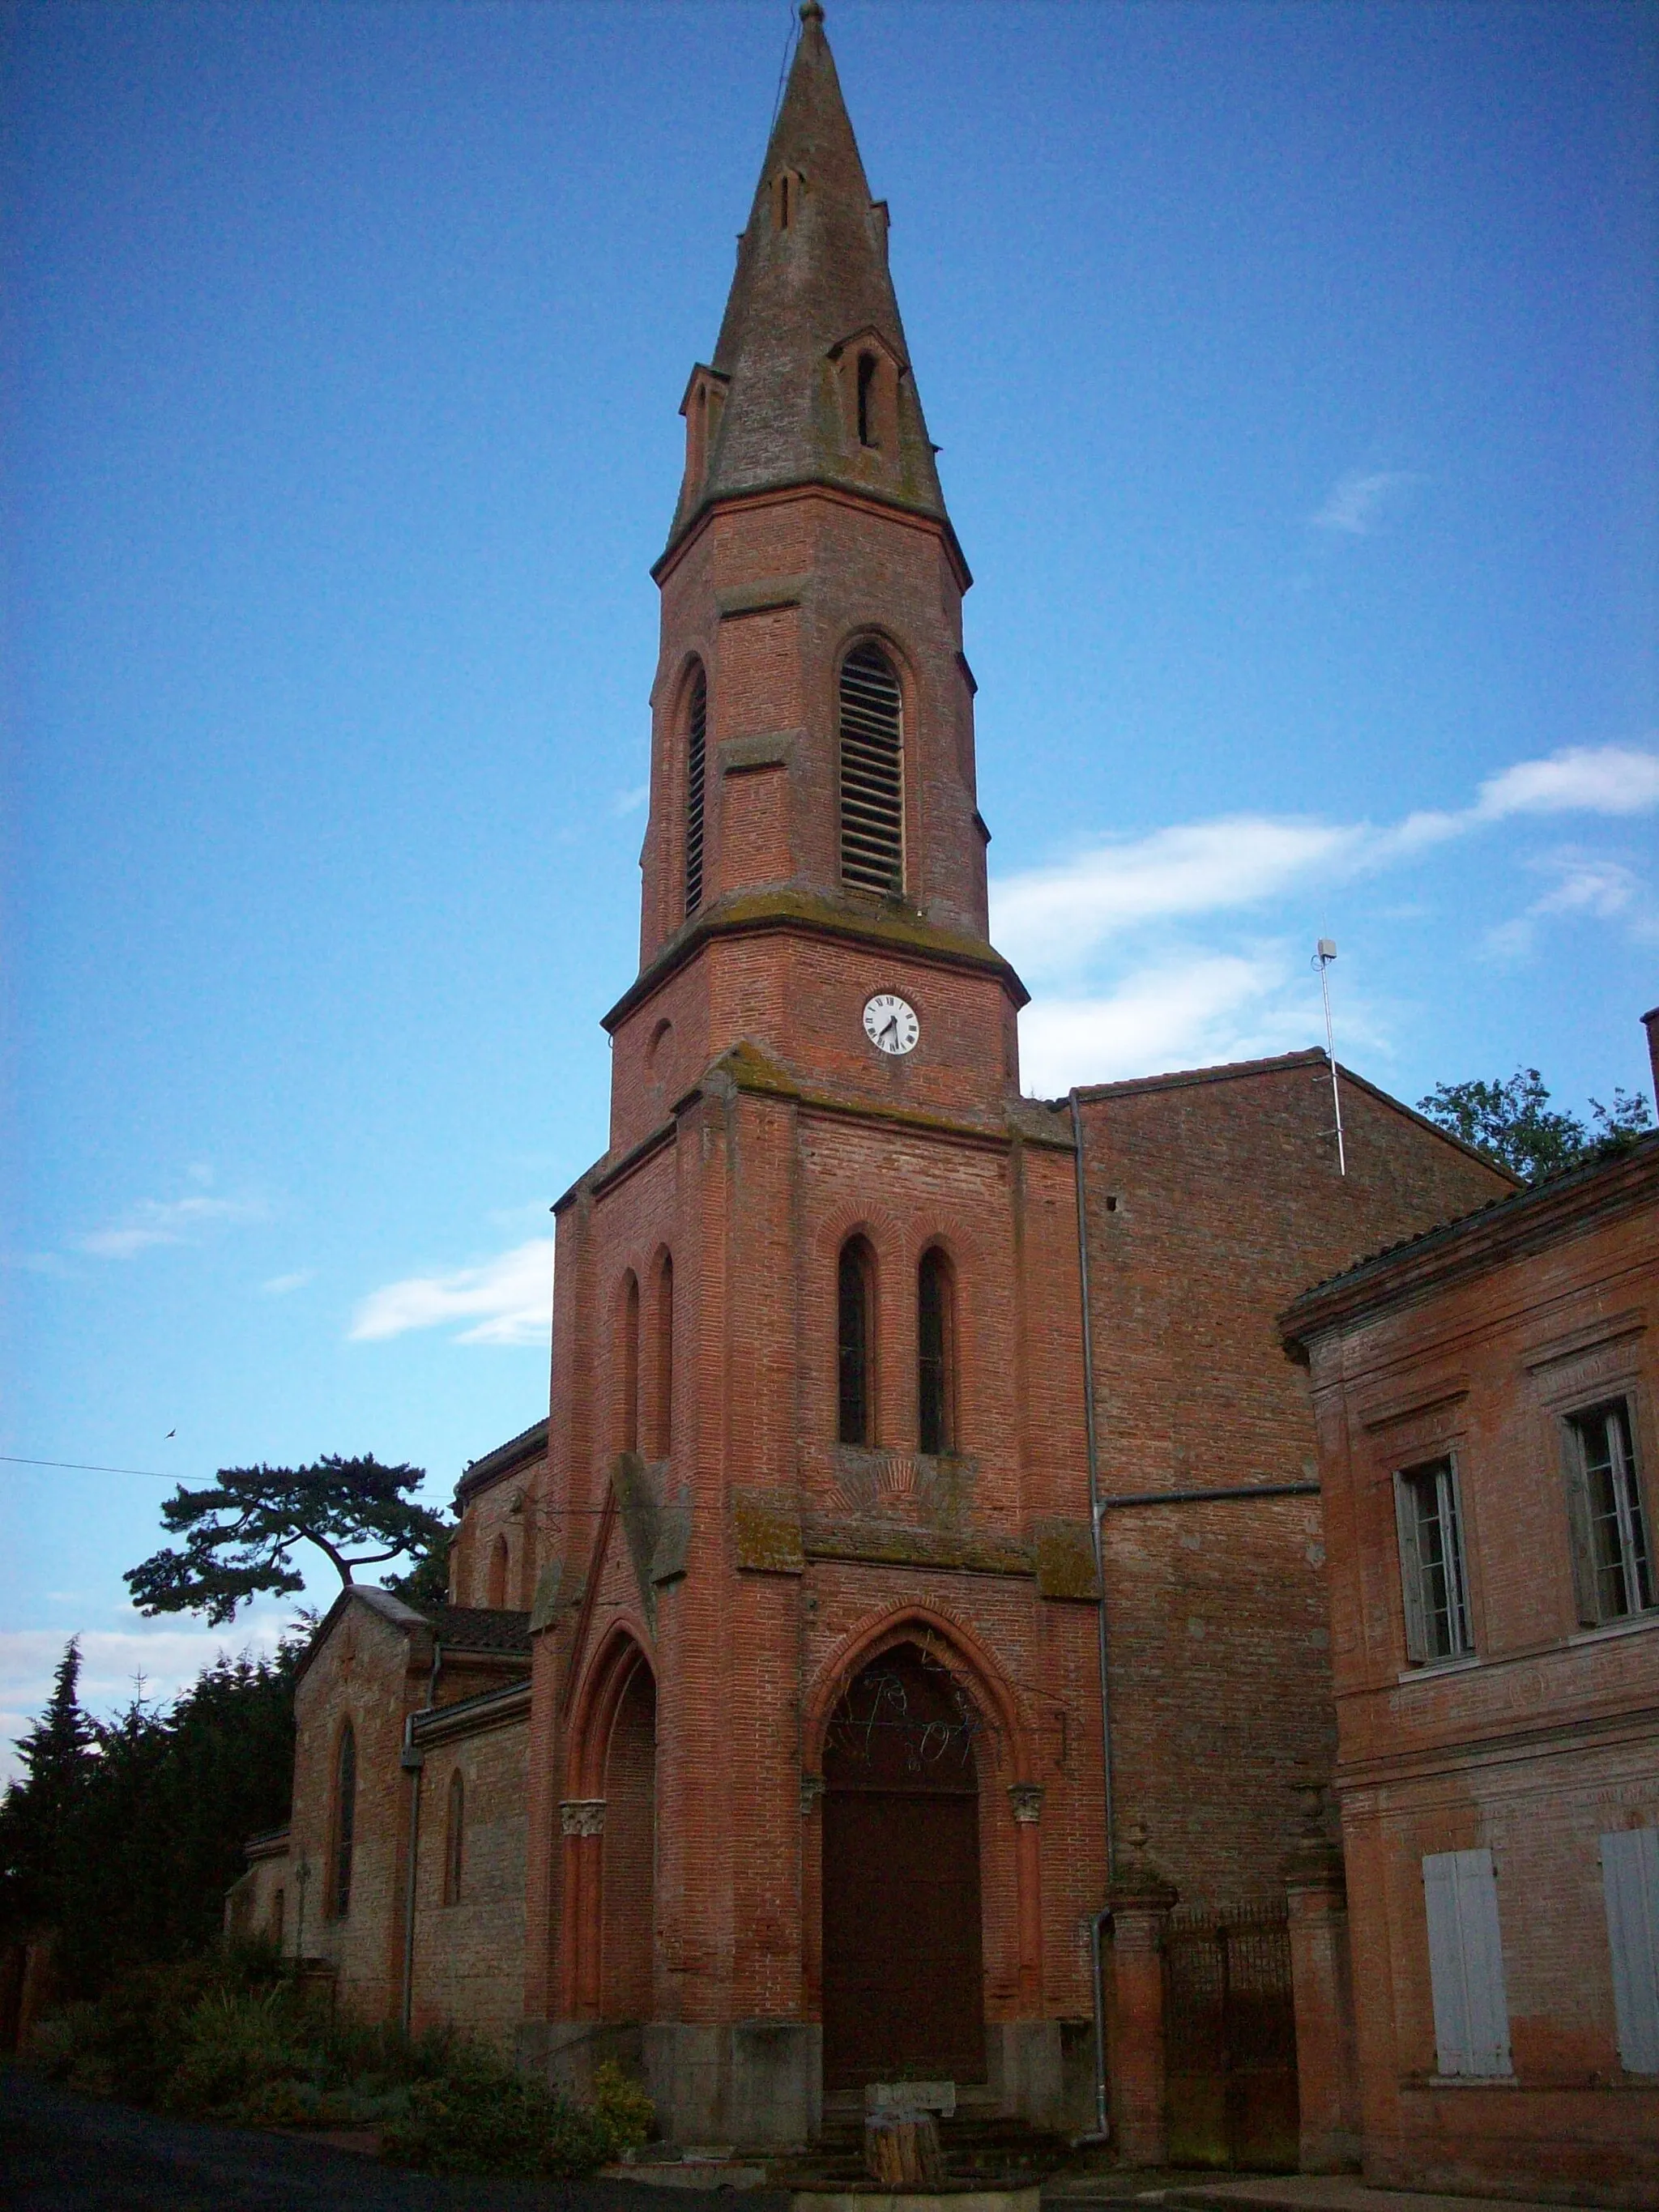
{"x":1026,"y":1799}
{"x":582,"y":1816}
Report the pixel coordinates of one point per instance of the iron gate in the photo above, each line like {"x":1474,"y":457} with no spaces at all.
{"x":1230,"y":2028}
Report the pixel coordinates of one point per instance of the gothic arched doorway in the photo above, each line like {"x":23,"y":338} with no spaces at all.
{"x":627,"y":1883}
{"x":903,"y":1982}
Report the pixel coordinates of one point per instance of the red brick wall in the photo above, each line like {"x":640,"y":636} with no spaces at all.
{"x":505,"y":1509}
{"x":1534,"y":1751}
{"x":844,"y":569}
{"x":1210,"y":1205}
{"x":363,"y":1673}
{"x":467,"y":1952}
{"x":629,"y":1847}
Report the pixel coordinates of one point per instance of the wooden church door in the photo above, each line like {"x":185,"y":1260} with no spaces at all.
{"x":903,"y":1982}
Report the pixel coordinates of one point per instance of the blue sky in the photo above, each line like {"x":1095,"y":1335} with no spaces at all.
{"x":1294,"y":369}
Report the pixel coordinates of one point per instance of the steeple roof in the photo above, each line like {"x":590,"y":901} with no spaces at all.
{"x":812,"y":277}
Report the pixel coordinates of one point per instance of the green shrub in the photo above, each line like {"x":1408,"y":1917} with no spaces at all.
{"x":478,"y":2117}
{"x":234,"y":2036}
{"x":622,"y":2109}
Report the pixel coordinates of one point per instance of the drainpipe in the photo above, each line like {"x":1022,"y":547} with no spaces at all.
{"x":1102,"y":2123}
{"x":413,"y":1760}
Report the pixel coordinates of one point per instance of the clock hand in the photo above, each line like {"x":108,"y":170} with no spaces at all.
{"x":892,"y":1028}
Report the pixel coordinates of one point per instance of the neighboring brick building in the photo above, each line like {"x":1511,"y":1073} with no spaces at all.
{"x":811,"y":1785}
{"x":1486,"y":1405}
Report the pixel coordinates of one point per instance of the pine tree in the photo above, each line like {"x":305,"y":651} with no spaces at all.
{"x":38,"y":1812}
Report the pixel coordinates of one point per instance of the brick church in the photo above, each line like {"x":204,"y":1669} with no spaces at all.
{"x":916,"y":1584}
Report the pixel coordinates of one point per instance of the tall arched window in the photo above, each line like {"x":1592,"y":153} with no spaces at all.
{"x":662,"y":1406}
{"x":871,"y":773}
{"x":631,"y":1362}
{"x":345,"y":1823}
{"x":495,"y":1582}
{"x":855,"y":1284}
{"x":696,"y":747}
{"x":455,"y":1834}
{"x":867,"y":367}
{"x":935,"y":1353}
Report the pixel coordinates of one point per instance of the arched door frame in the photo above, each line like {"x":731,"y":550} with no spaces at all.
{"x":605,"y":1681}
{"x":1007,"y":1756}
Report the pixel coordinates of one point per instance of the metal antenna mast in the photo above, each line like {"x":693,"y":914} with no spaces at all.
{"x":1324,"y":958}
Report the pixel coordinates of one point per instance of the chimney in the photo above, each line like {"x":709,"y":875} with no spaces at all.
{"x":1651,"y":1023}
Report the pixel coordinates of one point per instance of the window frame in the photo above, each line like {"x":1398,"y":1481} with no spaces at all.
{"x":342,"y":1823}
{"x":858,"y":654}
{"x":629,"y":1378}
{"x":936,"y":1261}
{"x":454,"y":1836}
{"x":857,"y":1247}
{"x":1460,"y":1609}
{"x":693,"y":725}
{"x":1634,"y":1563}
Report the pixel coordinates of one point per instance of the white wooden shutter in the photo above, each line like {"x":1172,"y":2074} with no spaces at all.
{"x":1465,"y":1964}
{"x":1585,"y":1594}
{"x":1411,"y":1569}
{"x":1629,"y":1883}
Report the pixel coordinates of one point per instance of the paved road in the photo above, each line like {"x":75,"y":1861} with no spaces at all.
{"x":61,"y":2153}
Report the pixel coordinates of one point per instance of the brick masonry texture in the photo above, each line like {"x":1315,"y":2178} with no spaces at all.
{"x":1210,"y":1205}
{"x":1480,"y":1345}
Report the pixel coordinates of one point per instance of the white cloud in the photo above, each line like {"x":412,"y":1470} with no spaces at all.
{"x":1583,"y":780}
{"x":1601,"y":889}
{"x":1196,"y":1013}
{"x":166,"y":1221}
{"x":1355,"y":502}
{"x":512,"y":1294}
{"x":1050,"y":919}
{"x":629,"y":802}
{"x":279,"y":1285}
{"x":1139,"y":903}
{"x":1610,"y":780}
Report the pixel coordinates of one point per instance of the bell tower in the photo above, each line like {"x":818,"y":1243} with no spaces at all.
{"x":815,"y":1456}
{"x":812,"y":719}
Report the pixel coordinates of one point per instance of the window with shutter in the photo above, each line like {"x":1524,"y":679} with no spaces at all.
{"x":1629,"y":1886}
{"x":1432,"y":1578}
{"x":696,"y":764}
{"x":1465,"y":1964}
{"x":1612,"y":1566}
{"x":871,"y":773}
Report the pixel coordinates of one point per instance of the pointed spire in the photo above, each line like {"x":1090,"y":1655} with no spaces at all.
{"x":811,"y":300}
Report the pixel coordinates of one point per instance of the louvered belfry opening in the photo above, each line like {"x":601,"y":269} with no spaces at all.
{"x":696,"y":746}
{"x":871,"y":773}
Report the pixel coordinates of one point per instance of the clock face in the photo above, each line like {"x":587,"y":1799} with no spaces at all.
{"x":890,"y":1024}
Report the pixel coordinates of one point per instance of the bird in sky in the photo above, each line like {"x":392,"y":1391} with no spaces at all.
{"x":171,"y":1432}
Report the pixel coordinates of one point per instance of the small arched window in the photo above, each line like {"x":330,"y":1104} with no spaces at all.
{"x":868,"y":370}
{"x":631,"y":1362}
{"x":662,"y":1408}
{"x":345,"y":1823}
{"x":855,"y":1284}
{"x":935,"y":1353}
{"x":495,"y":1585}
{"x":871,"y":773}
{"x":454,"y":1835}
{"x":696,"y":771}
